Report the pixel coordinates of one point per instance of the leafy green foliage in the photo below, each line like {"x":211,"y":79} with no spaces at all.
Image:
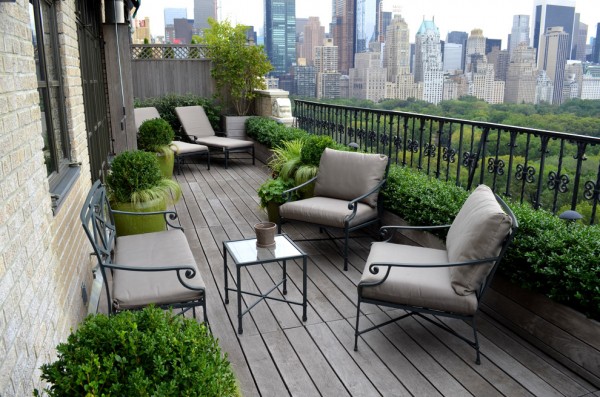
{"x":238,"y":68}
{"x":272,"y":189}
{"x":155,"y":135}
{"x":166,"y":108}
{"x":144,"y":353}
{"x":135,"y":177}
{"x":548,"y":255}
{"x":314,"y":146}
{"x":271,"y":133}
{"x":286,"y":158}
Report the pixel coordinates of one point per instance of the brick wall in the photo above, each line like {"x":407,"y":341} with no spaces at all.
{"x":43,"y":257}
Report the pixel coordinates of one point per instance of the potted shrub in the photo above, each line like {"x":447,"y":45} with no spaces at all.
{"x":155,"y":136}
{"x":135,"y":184}
{"x":270,"y":194}
{"x":135,"y":353}
{"x":238,"y":67}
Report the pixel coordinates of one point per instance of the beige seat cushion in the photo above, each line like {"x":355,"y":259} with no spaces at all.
{"x":476,"y":233}
{"x":225,"y":143}
{"x":133,"y":290}
{"x":326,"y":211}
{"x":348,"y":175}
{"x":422,"y":287}
{"x":183,"y":148}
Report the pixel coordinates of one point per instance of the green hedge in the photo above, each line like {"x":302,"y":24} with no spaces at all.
{"x":271,"y":133}
{"x":166,"y":108}
{"x":548,"y":255}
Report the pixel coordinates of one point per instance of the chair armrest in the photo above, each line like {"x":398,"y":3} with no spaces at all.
{"x":391,"y":230}
{"x":190,"y":272}
{"x":287,"y":195}
{"x":374,"y":267}
{"x":168,"y":215}
{"x":352,"y":203}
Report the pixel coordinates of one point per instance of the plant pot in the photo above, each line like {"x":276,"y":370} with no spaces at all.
{"x":265,"y":234}
{"x":166,"y":164}
{"x":137,"y":224}
{"x":273,"y":212}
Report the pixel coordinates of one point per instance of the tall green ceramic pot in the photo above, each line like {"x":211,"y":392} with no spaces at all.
{"x":166,"y":164}
{"x":137,"y":224}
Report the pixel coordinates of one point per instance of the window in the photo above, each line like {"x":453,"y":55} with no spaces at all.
{"x":50,"y":88}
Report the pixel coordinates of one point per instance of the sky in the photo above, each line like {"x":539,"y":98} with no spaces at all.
{"x":493,"y":17}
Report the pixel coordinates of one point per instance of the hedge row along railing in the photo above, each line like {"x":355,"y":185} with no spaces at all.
{"x":551,"y":170}
{"x":548,"y":255}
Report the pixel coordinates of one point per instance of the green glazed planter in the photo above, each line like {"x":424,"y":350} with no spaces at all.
{"x":136,"y":224}
{"x":166,"y":164}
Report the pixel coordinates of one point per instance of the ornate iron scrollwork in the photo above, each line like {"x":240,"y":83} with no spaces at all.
{"x":384,"y":140}
{"x":361,"y":133}
{"x":350,"y":132}
{"x":412,"y":146}
{"x":372,"y":136}
{"x":496,"y":166}
{"x":558,"y":182}
{"x":397,"y":142}
{"x":591,"y":191}
{"x":449,"y":154}
{"x":525,"y":173}
{"x":469,"y":159}
{"x":429,"y":150}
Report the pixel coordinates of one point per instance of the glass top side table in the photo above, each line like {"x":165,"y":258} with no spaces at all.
{"x":246,"y":253}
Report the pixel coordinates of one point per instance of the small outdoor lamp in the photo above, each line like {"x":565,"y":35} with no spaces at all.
{"x":354,"y":146}
{"x":570,"y":216}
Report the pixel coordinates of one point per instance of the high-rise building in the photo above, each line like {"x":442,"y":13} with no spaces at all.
{"x":578,"y":50}
{"x":305,"y":81}
{"x":367,"y":78}
{"x":521,"y":77}
{"x":314,"y":34}
{"x":170,"y":15}
{"x":475,"y":49}
{"x":141,"y":31}
{"x":203,"y":9}
{"x":459,"y":38}
{"x":342,"y":31}
{"x":183,"y":30}
{"x":519,"y":33}
{"x":500,"y":59}
{"x":483,"y":85}
{"x":280,"y":34}
{"x":429,"y":68}
{"x":590,"y":85}
{"x":452,"y":57}
{"x":385,"y":20}
{"x":490,"y":44}
{"x":552,"y":57}
{"x":553,"y":13}
{"x":596,"y":49}
{"x":396,"y":57}
{"x":366,"y":25}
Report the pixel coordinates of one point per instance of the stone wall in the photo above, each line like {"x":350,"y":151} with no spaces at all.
{"x":43,"y":256}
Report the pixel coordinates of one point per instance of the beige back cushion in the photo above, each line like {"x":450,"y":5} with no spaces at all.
{"x":348,"y":175}
{"x":142,"y":114}
{"x":476,"y":233}
{"x":194,"y":120}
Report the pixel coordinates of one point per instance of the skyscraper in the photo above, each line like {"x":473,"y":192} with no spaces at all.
{"x":519,"y":33}
{"x":366,"y":24}
{"x":428,"y":62}
{"x":552,"y":57}
{"x":459,"y":38}
{"x":490,"y":44}
{"x":578,"y":49}
{"x":521,"y":77}
{"x":342,"y":30}
{"x":596,"y":50}
{"x":397,"y":48}
{"x":170,"y":15}
{"x":203,"y":9}
{"x":314,"y":34}
{"x":552,"y":13}
{"x":452,"y":57}
{"x":280,"y":34}
{"x":475,"y":49}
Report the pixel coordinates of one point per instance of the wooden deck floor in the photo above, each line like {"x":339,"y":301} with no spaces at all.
{"x":280,"y":355}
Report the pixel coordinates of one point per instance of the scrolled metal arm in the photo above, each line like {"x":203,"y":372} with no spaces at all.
{"x":287,"y":194}
{"x":374,"y":267}
{"x":352,"y":203}
{"x":190,"y":272}
{"x":168,"y":215}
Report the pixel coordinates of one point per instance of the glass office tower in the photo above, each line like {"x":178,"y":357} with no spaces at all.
{"x":553,"y":13}
{"x":366,"y":24}
{"x":280,"y":34}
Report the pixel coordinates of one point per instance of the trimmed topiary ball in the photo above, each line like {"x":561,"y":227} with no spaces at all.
{"x":154,"y":135}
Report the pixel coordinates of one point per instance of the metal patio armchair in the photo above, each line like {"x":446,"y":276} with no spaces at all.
{"x":182,"y":149}
{"x":441,"y":282}
{"x":346,"y":194}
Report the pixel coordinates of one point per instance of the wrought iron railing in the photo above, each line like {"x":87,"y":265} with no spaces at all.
{"x":168,"y":51}
{"x":551,"y":170}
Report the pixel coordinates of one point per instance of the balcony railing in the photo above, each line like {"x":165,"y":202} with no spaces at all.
{"x":551,"y":170}
{"x":168,"y":51}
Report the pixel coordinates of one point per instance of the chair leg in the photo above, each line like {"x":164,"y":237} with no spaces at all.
{"x":476,"y":340}
{"x":226,"y":157}
{"x":346,"y":237}
{"x":208,"y":160}
{"x":356,"y":328}
{"x":253,"y":157}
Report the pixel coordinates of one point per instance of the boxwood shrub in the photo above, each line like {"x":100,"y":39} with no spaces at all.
{"x":166,"y":108}
{"x":548,"y":255}
{"x":145,"y":353}
{"x":271,"y":133}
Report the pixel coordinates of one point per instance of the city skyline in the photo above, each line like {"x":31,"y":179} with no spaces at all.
{"x":447,"y":17}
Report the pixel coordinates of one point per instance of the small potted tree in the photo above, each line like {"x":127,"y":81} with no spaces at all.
{"x":271,"y":196}
{"x":156,"y":135}
{"x":135,"y":184}
{"x":238,"y":67}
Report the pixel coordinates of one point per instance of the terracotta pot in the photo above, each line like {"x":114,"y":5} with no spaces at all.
{"x":265,"y":234}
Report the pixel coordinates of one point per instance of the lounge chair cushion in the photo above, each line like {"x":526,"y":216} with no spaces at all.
{"x":335,"y":181}
{"x":195,"y":121}
{"x":142,"y":114}
{"x":421,"y":287}
{"x":476,"y":233}
{"x":183,"y":148}
{"x":326,"y":211}
{"x":225,"y":143}
{"x":133,"y":290}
